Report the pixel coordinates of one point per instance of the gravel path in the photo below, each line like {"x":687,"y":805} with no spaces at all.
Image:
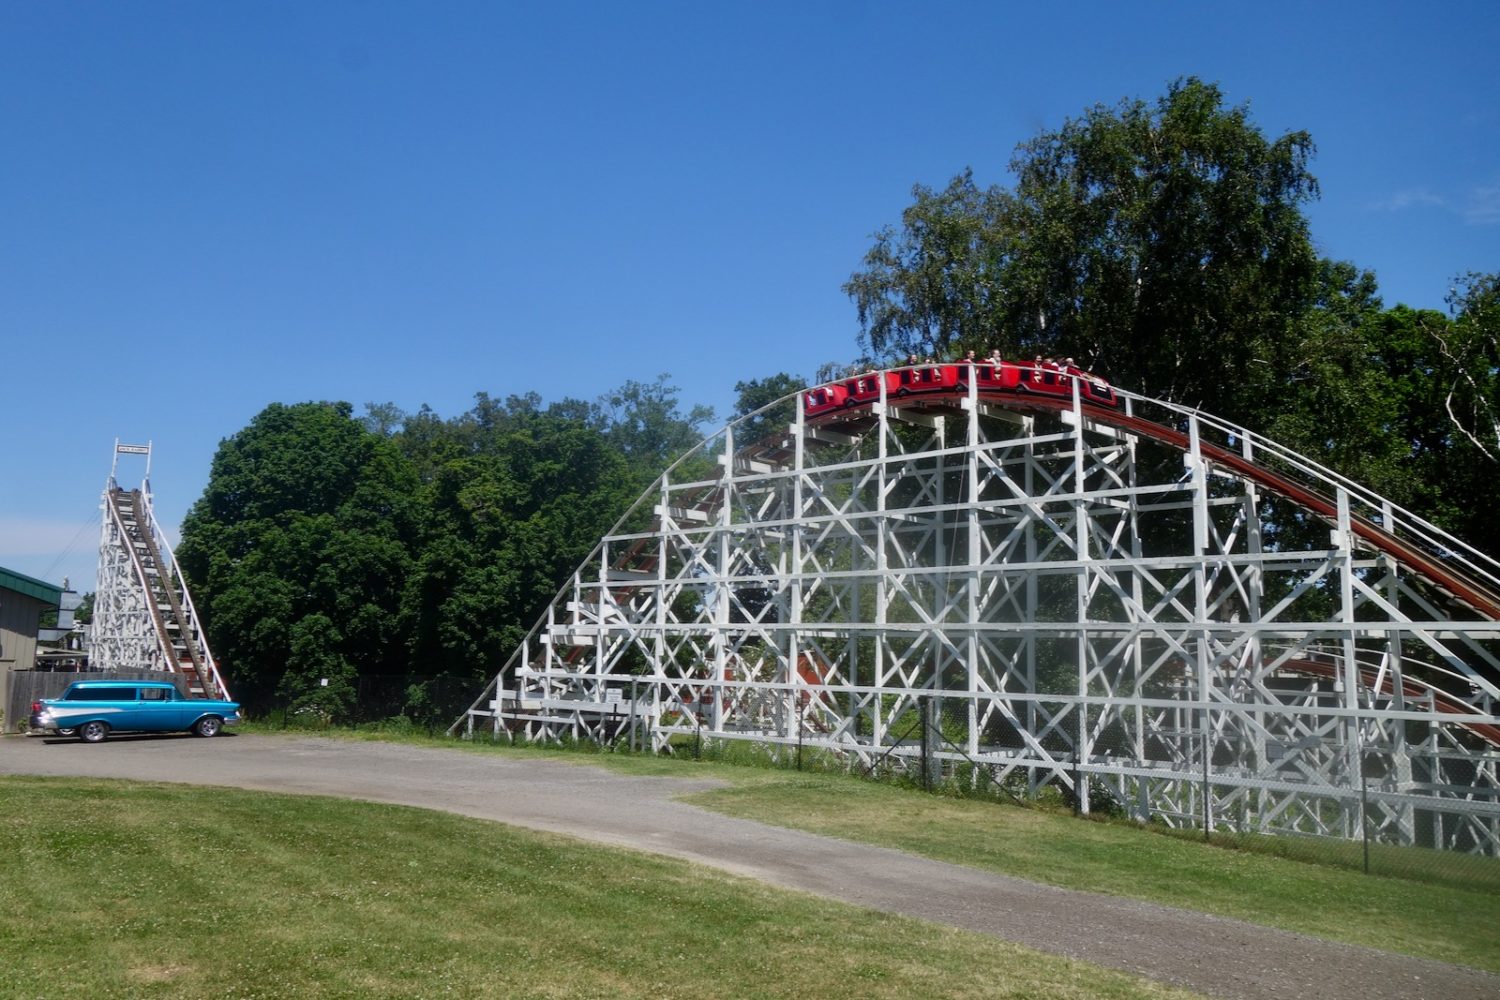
{"x":1219,"y":957}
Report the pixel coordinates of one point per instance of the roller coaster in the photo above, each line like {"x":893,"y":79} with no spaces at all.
{"x":144,"y":619}
{"x":1128,"y":599}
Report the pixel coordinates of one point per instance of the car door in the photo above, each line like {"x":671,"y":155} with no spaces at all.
{"x":157,"y":710}
{"x":183,"y":711}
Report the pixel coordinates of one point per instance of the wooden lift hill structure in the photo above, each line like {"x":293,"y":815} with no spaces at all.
{"x":144,"y":617}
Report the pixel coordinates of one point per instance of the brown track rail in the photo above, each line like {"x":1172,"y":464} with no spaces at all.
{"x":128,"y":510}
{"x":1461,"y":585}
{"x":1473,"y":593}
{"x":1444,"y":703}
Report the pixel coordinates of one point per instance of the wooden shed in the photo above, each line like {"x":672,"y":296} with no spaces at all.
{"x":23,"y":599}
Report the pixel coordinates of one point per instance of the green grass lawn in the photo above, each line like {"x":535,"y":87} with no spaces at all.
{"x":1312,"y":891}
{"x":1395,"y":914}
{"x":122,"y":889}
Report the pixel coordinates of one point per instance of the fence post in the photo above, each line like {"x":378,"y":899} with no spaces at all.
{"x":922,"y":737}
{"x":1207,"y":753}
{"x":634,"y":702}
{"x":1364,"y":793}
{"x":1077,"y":780}
{"x":799,"y":737}
{"x":931,"y":766}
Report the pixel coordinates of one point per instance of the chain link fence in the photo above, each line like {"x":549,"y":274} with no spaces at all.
{"x":399,"y":702}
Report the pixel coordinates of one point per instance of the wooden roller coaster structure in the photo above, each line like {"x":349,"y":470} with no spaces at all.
{"x":1128,"y":598}
{"x":144,"y":618}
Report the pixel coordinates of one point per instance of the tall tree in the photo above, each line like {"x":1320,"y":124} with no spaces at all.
{"x":645,"y":421}
{"x":1342,"y":387}
{"x":937,"y":281}
{"x":332,"y":548}
{"x":1163,"y":245}
{"x":1469,"y":349}
{"x":522,"y":494}
{"x":772,"y":402}
{"x":307,"y":519}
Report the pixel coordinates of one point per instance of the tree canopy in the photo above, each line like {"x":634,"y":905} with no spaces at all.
{"x":305,"y":514}
{"x":330,"y":551}
{"x":1469,"y":360}
{"x":756,"y":396}
{"x":1162,"y":245}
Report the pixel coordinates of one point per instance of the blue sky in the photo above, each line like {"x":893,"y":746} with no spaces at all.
{"x":210,"y":207}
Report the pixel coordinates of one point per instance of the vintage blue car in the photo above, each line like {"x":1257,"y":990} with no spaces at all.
{"x":94,"y":709}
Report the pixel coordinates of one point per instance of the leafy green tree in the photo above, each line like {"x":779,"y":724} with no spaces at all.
{"x":759,"y":395}
{"x":644,"y":420}
{"x":406,"y":545}
{"x":1162,"y":245}
{"x":1341,"y":395}
{"x":306,"y":515}
{"x":1469,"y":349}
{"x":1396,"y":399}
{"x":937,"y":282}
{"x":383,"y":419}
{"x":319,"y":680}
{"x":517,"y":507}
{"x":1445,"y":388}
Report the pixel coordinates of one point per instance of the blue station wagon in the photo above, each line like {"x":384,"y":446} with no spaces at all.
{"x":94,"y":709}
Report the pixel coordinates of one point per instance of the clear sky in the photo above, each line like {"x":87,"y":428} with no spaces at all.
{"x":208,"y":207}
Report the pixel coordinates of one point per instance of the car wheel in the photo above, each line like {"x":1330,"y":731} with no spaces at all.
{"x":67,"y":732}
{"x":93,"y":732}
{"x":209,"y":725}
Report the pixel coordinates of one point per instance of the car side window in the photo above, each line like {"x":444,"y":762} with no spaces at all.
{"x":153,"y":694}
{"x":101,"y":694}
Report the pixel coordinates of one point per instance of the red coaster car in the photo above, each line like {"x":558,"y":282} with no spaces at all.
{"x":824,"y":399}
{"x":989,"y":378}
{"x":924,"y":378}
{"x":1056,"y":380}
{"x":862,"y":389}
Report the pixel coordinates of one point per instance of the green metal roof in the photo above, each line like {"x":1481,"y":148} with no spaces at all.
{"x":49,"y":593}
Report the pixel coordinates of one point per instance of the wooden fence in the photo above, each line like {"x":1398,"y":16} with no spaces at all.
{"x":22,"y":687}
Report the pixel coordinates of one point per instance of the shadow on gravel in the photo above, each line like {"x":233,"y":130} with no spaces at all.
{"x":123,"y":738}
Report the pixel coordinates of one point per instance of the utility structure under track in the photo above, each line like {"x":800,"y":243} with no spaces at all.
{"x":1137,"y":601}
{"x":144,"y":617}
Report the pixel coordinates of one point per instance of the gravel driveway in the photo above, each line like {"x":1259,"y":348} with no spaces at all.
{"x":1216,"y":956}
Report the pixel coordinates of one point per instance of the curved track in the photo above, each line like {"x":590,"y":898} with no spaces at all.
{"x":1479,"y":593}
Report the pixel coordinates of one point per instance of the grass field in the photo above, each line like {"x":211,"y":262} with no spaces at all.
{"x":1434,"y":921}
{"x":117,"y":889}
{"x":1313,"y":892}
